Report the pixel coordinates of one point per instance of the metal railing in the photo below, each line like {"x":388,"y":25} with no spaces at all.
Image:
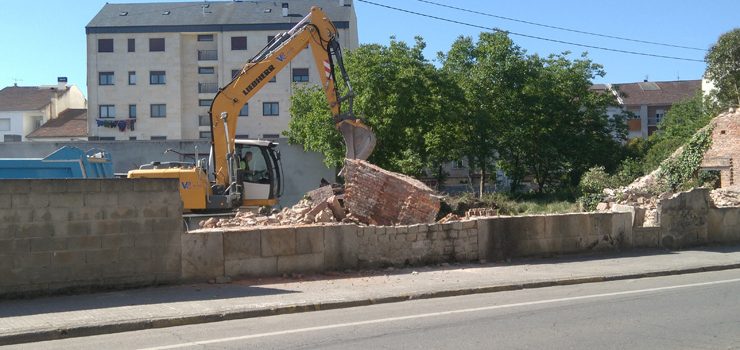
{"x":207,"y":88}
{"x":207,"y":55}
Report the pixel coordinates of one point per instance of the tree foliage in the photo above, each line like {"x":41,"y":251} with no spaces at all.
{"x":536,"y":114}
{"x":723,"y":68}
{"x":410,"y":105}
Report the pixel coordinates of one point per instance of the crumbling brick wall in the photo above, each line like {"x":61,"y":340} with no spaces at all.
{"x":724,"y":154}
{"x":381,"y":197}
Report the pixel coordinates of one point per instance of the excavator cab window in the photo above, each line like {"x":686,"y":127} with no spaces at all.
{"x":257,"y":172}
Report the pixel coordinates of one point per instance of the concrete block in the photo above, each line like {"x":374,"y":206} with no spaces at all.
{"x":106,"y":227}
{"x":84,"y":243}
{"x":81,"y":185}
{"x":66,"y":200}
{"x":100,"y":199}
{"x":31,"y":229}
{"x":256,"y":266}
{"x":5,"y":201}
{"x":78,"y":228}
{"x":300,"y":263}
{"x":155,"y":211}
{"x":164,"y":224}
{"x":25,"y":261}
{"x":566,"y":225}
{"x":202,"y":255}
{"x":129,"y":255}
{"x":101,"y":256}
{"x":68,"y":258}
{"x":116,"y":185}
{"x":133,"y":227}
{"x":167,"y":259}
{"x":341,"y":246}
{"x":309,"y":239}
{"x":278,"y":241}
{"x":11,"y":186}
{"x":123,"y":212}
{"x":29,"y":200}
{"x":47,"y":244}
{"x":241,"y":244}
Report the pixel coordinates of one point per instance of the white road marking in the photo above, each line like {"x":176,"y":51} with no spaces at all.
{"x":435,"y":314}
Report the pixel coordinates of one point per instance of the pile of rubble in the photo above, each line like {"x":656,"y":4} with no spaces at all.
{"x":371,"y":195}
{"x":726,"y":197}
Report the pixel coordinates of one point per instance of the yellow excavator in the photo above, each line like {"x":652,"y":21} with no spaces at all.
{"x":231,"y":184}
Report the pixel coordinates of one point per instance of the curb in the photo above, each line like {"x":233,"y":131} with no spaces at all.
{"x":136,"y":325}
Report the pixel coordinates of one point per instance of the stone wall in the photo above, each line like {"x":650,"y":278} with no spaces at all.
{"x":61,"y":234}
{"x":724,"y":154}
{"x":544,"y":235}
{"x":212,"y":253}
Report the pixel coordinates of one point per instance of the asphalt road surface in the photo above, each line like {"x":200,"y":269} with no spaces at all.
{"x":693,"y":311}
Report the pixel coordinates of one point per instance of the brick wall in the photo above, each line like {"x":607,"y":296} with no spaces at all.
{"x":380,"y":197}
{"x":60,"y":234}
{"x":724,"y":154}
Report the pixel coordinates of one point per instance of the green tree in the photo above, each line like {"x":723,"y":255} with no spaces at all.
{"x":680,"y":123}
{"x":410,"y":105}
{"x":723,"y":68}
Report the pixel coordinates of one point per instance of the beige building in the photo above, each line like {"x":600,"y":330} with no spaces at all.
{"x":24,"y":109}
{"x":153,"y":68}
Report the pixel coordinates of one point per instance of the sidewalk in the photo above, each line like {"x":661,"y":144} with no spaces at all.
{"x":79,"y":315}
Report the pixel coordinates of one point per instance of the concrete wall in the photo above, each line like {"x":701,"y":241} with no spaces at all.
{"x":60,"y":234}
{"x":303,"y":171}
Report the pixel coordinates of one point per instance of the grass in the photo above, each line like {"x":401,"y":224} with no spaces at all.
{"x":507,"y":204}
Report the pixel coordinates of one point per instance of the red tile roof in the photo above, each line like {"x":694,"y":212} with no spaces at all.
{"x":657,"y":93}
{"x":70,"y":123}
{"x":26,"y":98}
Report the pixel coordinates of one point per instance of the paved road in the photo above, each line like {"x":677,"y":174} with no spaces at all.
{"x":694,"y":311}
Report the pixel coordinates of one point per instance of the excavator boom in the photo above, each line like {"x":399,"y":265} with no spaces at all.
{"x":318,"y":32}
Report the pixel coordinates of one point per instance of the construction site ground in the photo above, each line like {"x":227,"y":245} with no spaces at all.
{"x":29,"y":320}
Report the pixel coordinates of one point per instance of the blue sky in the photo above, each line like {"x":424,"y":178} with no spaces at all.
{"x":43,"y":39}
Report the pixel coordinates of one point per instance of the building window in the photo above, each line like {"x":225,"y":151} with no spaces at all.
{"x":105,"y":45}
{"x":270,"y":136}
{"x":207,"y":88}
{"x":132,"y":78}
{"x":205,"y":37}
{"x":159,"y":110}
{"x":132,"y":111}
{"x":270,"y":108}
{"x":238,"y":42}
{"x":659,"y":114}
{"x":132,"y":138}
{"x":204,"y":120}
{"x":5,"y":124}
{"x":207,"y":55}
{"x":106,"y":138}
{"x":205,"y":134}
{"x":11,"y":138}
{"x":131,"y":45}
{"x":158,"y":138}
{"x":157,"y":77}
{"x":206,"y":70}
{"x":244,"y":112}
{"x":204,"y":102}
{"x":107,"y":111}
{"x":300,"y":75}
{"x":105,"y":78}
{"x":156,"y":45}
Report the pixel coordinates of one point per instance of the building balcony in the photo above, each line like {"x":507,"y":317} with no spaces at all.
{"x":207,"y":55}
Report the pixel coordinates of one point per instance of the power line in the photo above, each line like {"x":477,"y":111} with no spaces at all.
{"x":561,"y":28}
{"x":532,"y":36}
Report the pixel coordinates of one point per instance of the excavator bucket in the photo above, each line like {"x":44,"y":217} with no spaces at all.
{"x":358,"y":138}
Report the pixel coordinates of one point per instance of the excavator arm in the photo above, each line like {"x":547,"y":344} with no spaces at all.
{"x":318,"y":32}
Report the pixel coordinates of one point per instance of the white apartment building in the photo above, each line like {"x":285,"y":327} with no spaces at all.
{"x":153,"y":68}
{"x":23,"y":109}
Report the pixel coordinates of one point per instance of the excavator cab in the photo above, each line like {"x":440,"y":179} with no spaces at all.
{"x":259,"y":172}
